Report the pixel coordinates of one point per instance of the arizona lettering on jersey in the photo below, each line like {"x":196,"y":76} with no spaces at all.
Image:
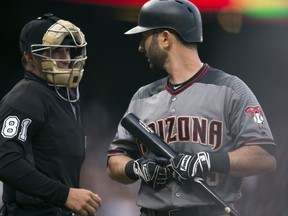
{"x":189,"y":129}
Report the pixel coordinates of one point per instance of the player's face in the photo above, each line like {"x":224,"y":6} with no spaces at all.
{"x":150,"y":47}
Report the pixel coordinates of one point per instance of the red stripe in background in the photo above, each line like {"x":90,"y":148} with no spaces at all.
{"x":201,"y":4}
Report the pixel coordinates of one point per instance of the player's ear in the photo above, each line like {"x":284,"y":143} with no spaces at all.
{"x":166,"y":38}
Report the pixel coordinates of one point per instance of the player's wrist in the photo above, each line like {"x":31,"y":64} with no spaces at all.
{"x":129,"y":170}
{"x":220,"y":162}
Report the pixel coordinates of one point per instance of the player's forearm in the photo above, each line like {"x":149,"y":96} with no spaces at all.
{"x":251,"y":160}
{"x":116,"y":169}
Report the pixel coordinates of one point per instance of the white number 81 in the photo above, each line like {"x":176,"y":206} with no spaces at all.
{"x":11,"y":126}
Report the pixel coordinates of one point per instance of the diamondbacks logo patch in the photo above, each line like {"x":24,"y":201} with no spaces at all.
{"x":256,"y":113}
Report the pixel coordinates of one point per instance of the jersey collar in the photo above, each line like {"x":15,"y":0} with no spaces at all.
{"x":176,"y":89}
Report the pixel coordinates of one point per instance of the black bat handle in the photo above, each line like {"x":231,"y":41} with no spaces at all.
{"x":147,"y":136}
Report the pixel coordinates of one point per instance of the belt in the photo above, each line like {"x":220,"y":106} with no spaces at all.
{"x":57,"y":210}
{"x":172,"y":212}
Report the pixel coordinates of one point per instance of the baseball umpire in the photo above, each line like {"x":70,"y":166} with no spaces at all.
{"x":42,"y":142}
{"x":210,"y":118}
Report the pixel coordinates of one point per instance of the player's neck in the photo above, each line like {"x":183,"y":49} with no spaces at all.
{"x":182,"y":74}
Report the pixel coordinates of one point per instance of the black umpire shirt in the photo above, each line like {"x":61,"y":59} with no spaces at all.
{"x":42,"y":144}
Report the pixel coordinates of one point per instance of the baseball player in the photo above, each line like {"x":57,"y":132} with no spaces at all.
{"x":211,"y":119}
{"x":42,"y":143}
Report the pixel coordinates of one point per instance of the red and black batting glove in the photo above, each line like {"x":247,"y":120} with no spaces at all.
{"x":185,"y":166}
{"x":152,"y":171}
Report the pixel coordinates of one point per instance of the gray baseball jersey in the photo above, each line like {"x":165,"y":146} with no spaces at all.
{"x":212,"y":112}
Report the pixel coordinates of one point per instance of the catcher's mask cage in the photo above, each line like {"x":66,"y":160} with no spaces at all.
{"x":182,"y":16}
{"x":62,"y":34}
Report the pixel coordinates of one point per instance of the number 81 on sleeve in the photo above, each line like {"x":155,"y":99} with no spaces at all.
{"x":11,"y":126}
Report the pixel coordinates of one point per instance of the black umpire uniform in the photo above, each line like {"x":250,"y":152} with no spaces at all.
{"x":41,"y":138}
{"x":42,"y":142}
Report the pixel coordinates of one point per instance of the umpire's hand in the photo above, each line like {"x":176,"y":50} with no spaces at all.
{"x":83,"y":202}
{"x":152,"y":171}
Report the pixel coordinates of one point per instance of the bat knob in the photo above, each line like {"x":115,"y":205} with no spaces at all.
{"x":227,"y":210}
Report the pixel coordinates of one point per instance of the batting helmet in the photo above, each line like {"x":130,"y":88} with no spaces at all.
{"x":180,"y":15}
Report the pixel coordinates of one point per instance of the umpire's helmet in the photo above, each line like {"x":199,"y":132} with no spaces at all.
{"x":45,"y":34}
{"x":180,"y":15}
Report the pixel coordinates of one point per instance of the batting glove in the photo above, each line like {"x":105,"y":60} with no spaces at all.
{"x":152,"y":171}
{"x":185,"y":167}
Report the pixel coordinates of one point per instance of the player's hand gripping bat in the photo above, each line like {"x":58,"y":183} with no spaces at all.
{"x":153,"y":142}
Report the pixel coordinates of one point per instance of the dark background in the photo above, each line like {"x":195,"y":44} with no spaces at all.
{"x":258,"y":54}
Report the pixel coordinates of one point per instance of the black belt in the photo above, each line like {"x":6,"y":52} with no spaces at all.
{"x":46,"y":209}
{"x":172,"y":212}
{"x":31,"y":207}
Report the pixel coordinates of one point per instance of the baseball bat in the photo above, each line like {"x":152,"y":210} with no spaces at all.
{"x":143,"y":132}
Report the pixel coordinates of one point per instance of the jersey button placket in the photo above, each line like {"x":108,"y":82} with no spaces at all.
{"x":173,"y":99}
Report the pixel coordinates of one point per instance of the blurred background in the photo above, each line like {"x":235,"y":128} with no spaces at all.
{"x":242,"y":37}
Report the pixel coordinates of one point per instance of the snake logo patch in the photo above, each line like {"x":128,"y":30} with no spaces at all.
{"x":256,"y":113}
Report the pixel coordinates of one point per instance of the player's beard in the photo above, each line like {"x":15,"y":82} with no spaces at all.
{"x":157,"y":56}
